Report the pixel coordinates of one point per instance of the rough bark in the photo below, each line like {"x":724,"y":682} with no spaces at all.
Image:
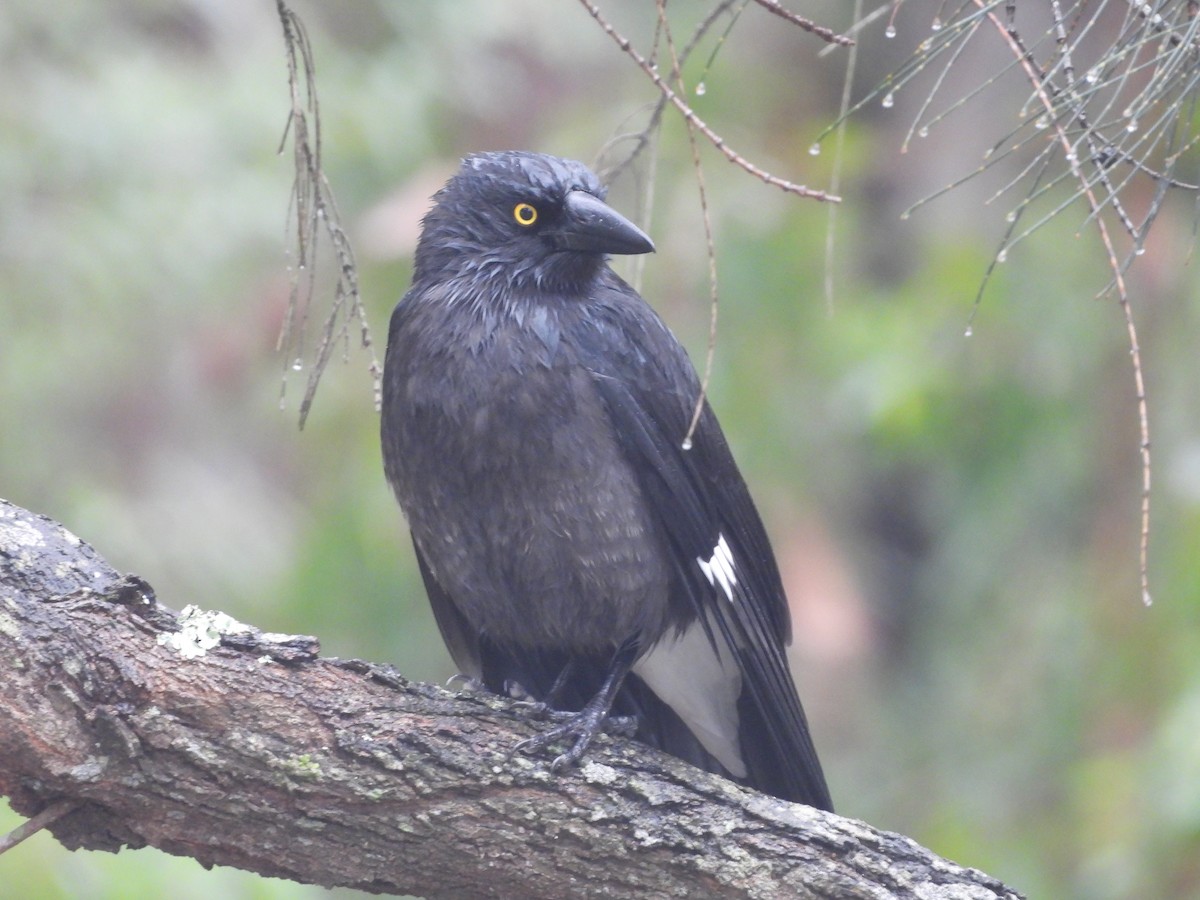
{"x":208,"y":739}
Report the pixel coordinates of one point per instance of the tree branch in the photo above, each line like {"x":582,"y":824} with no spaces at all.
{"x":189,"y":732}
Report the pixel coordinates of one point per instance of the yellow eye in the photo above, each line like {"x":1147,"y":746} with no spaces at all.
{"x":525,"y":214}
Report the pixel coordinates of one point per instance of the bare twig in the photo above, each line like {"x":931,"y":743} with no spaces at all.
{"x":642,"y":139}
{"x":861,"y":23}
{"x":44,"y":819}
{"x":315,"y":211}
{"x":835,"y":176}
{"x":709,"y":246}
{"x":826,"y":34}
{"x":695,"y":121}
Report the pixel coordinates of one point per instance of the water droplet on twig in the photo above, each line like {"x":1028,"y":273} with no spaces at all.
{"x":889,"y":99}
{"x":701,"y":88}
{"x":815,"y":149}
{"x":889,"y":32}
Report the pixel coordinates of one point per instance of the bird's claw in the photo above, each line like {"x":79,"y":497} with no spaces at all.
{"x":575,"y":726}
{"x":582,"y":726}
{"x":625,"y":726}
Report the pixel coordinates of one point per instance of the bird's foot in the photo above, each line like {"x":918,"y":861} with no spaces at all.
{"x":579,"y":728}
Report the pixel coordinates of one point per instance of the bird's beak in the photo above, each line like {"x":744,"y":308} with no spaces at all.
{"x":592,"y":226}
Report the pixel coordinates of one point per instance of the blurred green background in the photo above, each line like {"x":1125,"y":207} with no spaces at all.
{"x":957,"y":518}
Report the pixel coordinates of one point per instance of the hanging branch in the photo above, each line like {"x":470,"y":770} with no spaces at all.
{"x":316,"y":212}
{"x":1043,"y":87}
{"x":1104,"y":110}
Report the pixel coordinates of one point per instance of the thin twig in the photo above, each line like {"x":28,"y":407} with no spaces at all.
{"x":642,"y":139}
{"x":835,"y":176}
{"x":44,"y":819}
{"x":709,"y":244}
{"x":826,"y":34}
{"x":689,"y":114}
{"x":860,"y":24}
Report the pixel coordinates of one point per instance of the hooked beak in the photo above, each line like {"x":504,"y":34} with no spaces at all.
{"x":592,"y":226}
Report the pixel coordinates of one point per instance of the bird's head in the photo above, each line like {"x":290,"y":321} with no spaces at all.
{"x":525,"y":220}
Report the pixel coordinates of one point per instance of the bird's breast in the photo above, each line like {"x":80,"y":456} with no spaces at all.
{"x":502,"y":455}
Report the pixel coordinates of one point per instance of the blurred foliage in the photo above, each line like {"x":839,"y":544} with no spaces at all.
{"x":956,"y":516}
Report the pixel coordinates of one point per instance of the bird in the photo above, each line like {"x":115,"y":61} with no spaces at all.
{"x":581,"y":545}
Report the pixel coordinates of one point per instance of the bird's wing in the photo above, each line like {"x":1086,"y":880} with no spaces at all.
{"x":460,"y":639}
{"x":727,"y":573}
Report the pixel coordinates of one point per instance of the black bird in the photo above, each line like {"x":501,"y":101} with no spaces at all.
{"x":575,"y":548}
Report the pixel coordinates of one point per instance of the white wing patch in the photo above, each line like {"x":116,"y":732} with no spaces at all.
{"x":718,"y":568}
